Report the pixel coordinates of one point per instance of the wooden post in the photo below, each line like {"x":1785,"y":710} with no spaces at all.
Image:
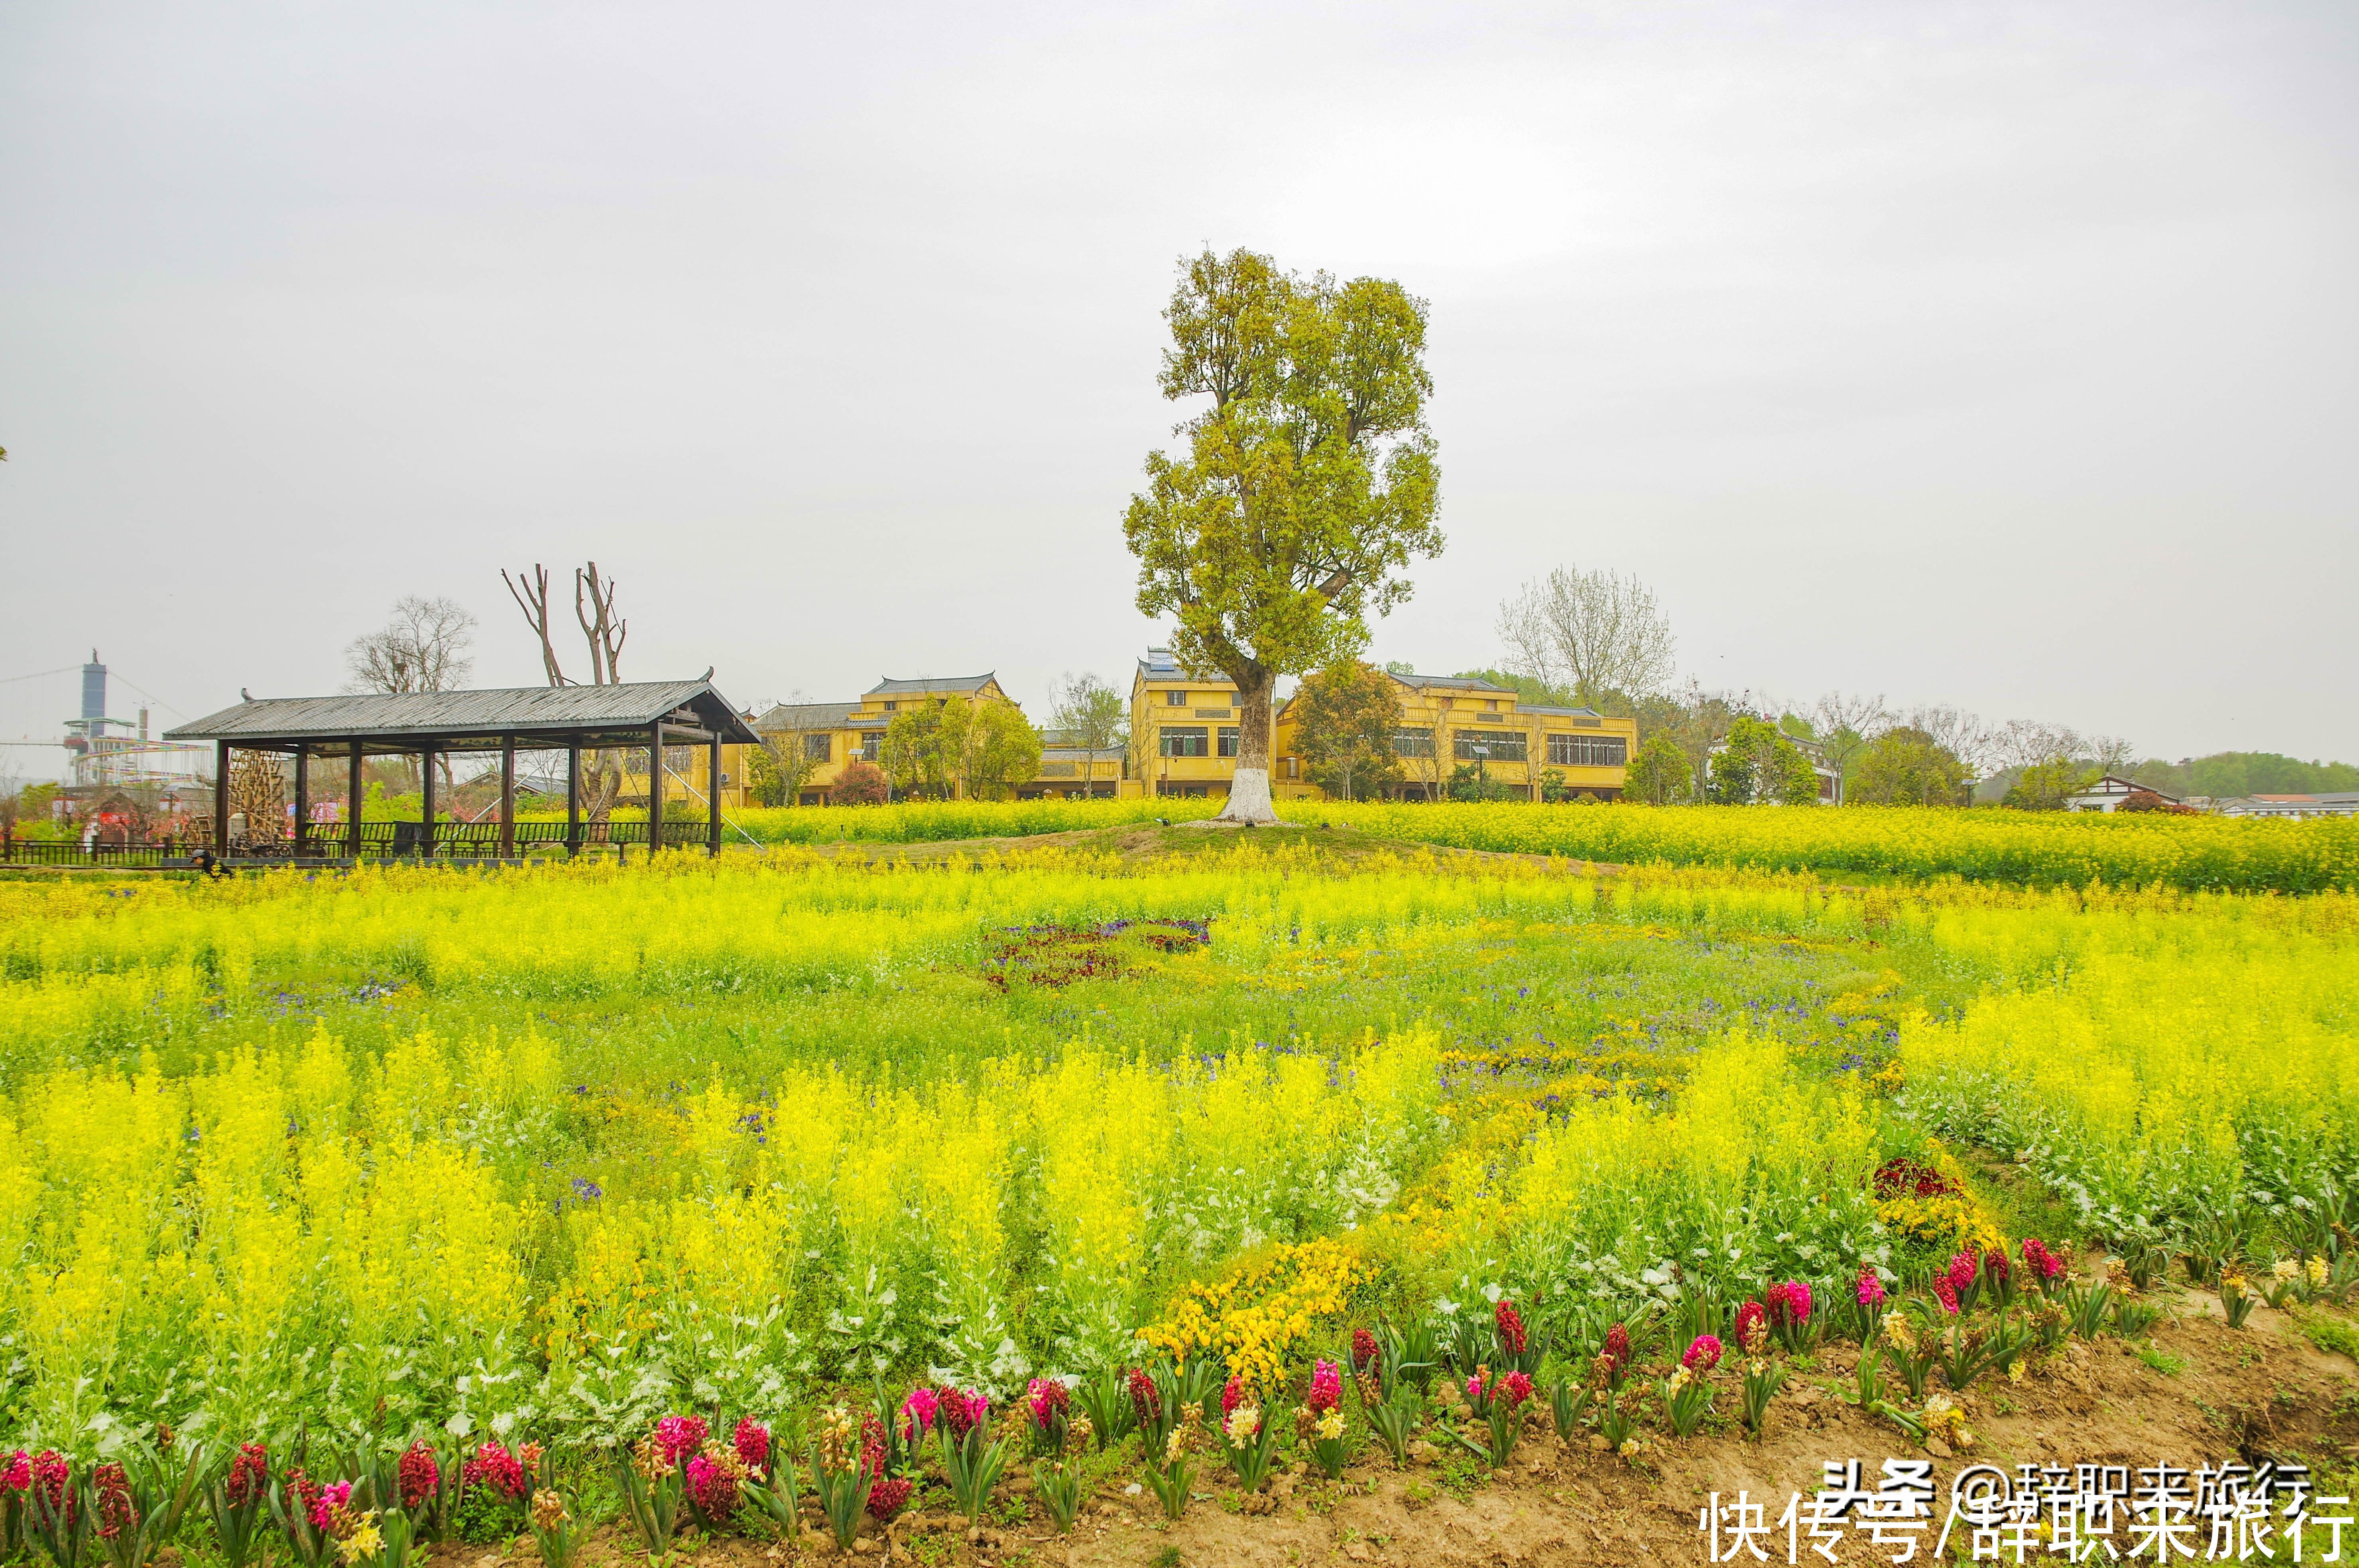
{"x":508,"y":797}
{"x":712,"y":794}
{"x":221,"y":798}
{"x":655,"y":786}
{"x":573,"y":796}
{"x":353,"y":798}
{"x":303,"y":794}
{"x":426,"y":799}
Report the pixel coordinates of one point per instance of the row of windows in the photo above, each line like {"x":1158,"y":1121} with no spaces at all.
{"x":1495,"y":745}
{"x":1466,"y":745}
{"x":1588,"y":750}
{"x":1492,"y":745}
{"x":1194,"y":739}
{"x":1507,"y":746}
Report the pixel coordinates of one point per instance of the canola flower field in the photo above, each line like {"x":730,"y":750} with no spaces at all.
{"x":366,"y":1165}
{"x":2031,"y":848}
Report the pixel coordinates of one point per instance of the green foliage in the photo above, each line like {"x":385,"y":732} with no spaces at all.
{"x":1345,"y":717}
{"x":1307,"y":487}
{"x":2046,"y":786}
{"x":2227,"y":773}
{"x":1659,"y":774}
{"x":960,"y":749}
{"x":1528,"y":689}
{"x":1471,"y":782}
{"x":1761,"y":766}
{"x":1906,"y":766}
{"x":1091,"y":714}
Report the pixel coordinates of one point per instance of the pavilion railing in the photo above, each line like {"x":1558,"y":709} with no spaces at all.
{"x":402,"y":840}
{"x":55,"y":852}
{"x":332,"y":841}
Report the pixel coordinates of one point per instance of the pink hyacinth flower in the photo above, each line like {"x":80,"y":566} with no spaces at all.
{"x":1326,"y":1387}
{"x":1704,"y":1354}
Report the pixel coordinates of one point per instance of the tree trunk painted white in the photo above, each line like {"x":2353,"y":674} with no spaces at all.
{"x":1249,"y":788}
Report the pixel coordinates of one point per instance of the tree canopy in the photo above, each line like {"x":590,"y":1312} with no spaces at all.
{"x":1761,"y":766}
{"x":1345,"y":717}
{"x":959,"y":749}
{"x":1660,"y":774}
{"x":1907,"y":766}
{"x":1307,"y":487}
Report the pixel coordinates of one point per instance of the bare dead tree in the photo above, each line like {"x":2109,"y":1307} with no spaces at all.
{"x":594,"y":607}
{"x":1595,"y":633}
{"x":1847,"y":725}
{"x":599,"y":624}
{"x":424,"y":647}
{"x":533,"y":599}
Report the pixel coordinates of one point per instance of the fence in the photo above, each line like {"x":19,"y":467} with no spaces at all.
{"x":331,"y":842}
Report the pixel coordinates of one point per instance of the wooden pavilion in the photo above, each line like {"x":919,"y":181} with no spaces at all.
{"x":428,"y":725}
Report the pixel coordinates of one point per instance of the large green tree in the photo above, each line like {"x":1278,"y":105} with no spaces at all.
{"x":1091,"y":715}
{"x":1346,"y":717}
{"x":1761,"y":766}
{"x":1906,"y":766}
{"x":1306,"y":488}
{"x":1659,"y":774}
{"x":958,"y":749}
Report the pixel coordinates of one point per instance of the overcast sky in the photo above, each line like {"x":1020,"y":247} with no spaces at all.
{"x":1999,"y":354}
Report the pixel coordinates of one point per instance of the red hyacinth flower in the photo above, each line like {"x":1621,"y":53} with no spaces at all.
{"x":752,"y":1441}
{"x":1365,"y":1354}
{"x":249,"y":1474}
{"x":1618,"y":1345}
{"x":116,"y":1512}
{"x":417,"y":1475}
{"x":1232,"y":1394}
{"x":962,"y":1412}
{"x":1749,"y":1316}
{"x":1517,"y":1387}
{"x":1144,"y":1397}
{"x":886,"y":1497}
{"x":1510,"y":1324}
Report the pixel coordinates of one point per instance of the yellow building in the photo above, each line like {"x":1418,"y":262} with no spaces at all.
{"x":1184,"y":738}
{"x":1450,"y":722}
{"x":1183,"y":730}
{"x":831,"y":734}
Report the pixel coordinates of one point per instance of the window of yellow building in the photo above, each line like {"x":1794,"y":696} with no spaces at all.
{"x":1185,"y":740}
{"x":1497,"y":745}
{"x":1588,"y":750}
